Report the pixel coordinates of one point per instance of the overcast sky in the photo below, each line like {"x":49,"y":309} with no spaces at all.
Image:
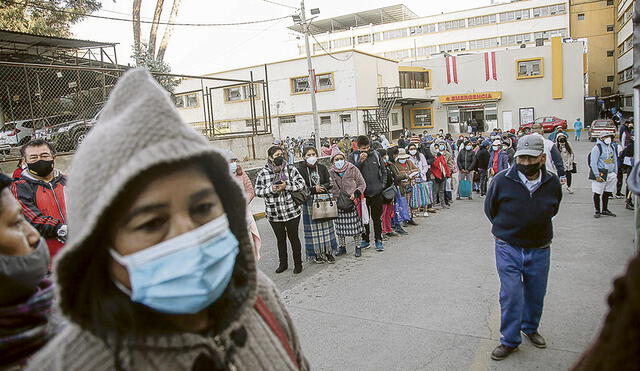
{"x":200,"y":50}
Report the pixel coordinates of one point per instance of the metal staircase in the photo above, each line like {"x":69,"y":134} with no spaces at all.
{"x":378,"y":120}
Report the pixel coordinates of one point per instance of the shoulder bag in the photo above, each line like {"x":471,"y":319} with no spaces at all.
{"x":344,"y":202}
{"x":324,"y":207}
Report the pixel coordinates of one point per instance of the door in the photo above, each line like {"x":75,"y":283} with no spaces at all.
{"x":507,"y":120}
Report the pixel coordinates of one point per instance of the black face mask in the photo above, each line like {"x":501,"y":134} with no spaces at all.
{"x":529,"y":170}
{"x":41,"y":168}
{"x":278,"y":160}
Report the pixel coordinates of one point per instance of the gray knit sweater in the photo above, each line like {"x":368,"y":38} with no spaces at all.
{"x":75,"y":349}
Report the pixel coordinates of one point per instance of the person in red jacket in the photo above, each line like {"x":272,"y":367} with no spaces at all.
{"x":440,"y":172}
{"x":40,"y":192}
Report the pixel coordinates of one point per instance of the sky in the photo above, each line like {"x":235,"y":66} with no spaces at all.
{"x":201,"y":50}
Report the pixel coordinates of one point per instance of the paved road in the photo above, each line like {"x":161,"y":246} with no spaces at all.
{"x":430,"y":300}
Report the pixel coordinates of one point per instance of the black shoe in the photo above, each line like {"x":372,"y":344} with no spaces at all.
{"x":330,"y":258}
{"x":629,"y":207}
{"x":536,"y":339}
{"x":282,"y":268}
{"x":392,"y":234}
{"x":412,"y":222}
{"x":404,"y":224}
{"x":318,"y":259}
{"x":596,"y":215}
{"x":501,"y":352}
{"x":402,"y":232}
{"x":341,"y":251}
{"x":358,"y":252}
{"x":297,"y":269}
{"x":607,"y":213}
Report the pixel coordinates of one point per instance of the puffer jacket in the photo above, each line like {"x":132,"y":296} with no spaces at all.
{"x":466,"y":160}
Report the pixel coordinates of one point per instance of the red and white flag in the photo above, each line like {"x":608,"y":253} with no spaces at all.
{"x":452,"y":69}
{"x":490,"y":66}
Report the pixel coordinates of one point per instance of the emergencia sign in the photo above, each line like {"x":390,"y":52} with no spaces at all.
{"x":471,"y":97}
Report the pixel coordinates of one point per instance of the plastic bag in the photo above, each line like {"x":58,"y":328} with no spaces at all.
{"x":401,"y":208}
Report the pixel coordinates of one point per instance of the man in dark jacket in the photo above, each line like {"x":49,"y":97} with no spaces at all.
{"x":40,"y":192}
{"x":523,"y":240}
{"x":482,"y":164}
{"x":375,"y":176}
{"x":466,"y":164}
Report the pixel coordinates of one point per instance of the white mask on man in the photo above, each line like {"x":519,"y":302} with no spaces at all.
{"x":607,"y":141}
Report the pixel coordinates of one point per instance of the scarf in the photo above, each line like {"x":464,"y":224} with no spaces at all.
{"x":24,"y":327}
{"x":278,"y":170}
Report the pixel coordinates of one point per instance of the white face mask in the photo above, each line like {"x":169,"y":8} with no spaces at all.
{"x":312,"y":160}
{"x":495,"y":148}
{"x":468,"y":148}
{"x":233,"y":167}
{"x":413,"y":151}
{"x":607,"y":141}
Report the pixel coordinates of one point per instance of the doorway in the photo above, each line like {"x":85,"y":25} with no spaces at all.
{"x":469,"y":114}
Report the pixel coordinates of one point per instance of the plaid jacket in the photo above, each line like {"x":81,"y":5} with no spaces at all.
{"x":279,"y":207}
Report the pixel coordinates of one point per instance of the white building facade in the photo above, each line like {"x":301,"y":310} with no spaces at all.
{"x":397,"y":33}
{"x":624,"y":43}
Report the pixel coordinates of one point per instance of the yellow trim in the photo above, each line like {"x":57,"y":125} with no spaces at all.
{"x":226,"y":97}
{"x":527,"y":60}
{"x":411,"y":118}
{"x":303,"y":113}
{"x":411,"y":69}
{"x":292,"y":84}
{"x":187,"y":94}
{"x":556,"y":68}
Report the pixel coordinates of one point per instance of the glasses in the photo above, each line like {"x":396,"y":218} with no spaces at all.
{"x":42,"y":156}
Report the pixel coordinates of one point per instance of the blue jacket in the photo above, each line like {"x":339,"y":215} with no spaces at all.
{"x":519,"y":217}
{"x":503,"y":160}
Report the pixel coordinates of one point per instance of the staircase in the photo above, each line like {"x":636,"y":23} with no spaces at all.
{"x":378,"y":120}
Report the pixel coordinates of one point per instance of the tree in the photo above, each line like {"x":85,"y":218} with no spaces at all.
{"x":45,"y":17}
{"x":144,"y":59}
{"x":153,"y":34}
{"x":168,"y":30}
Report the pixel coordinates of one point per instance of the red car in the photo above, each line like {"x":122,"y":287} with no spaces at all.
{"x":549,"y":123}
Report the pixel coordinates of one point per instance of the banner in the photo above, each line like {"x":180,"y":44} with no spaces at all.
{"x":490,"y":66}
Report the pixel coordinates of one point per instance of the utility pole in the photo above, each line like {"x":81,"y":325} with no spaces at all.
{"x":312,"y":77}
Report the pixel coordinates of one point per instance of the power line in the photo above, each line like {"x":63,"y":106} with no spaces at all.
{"x":325,"y":50}
{"x":286,"y":6}
{"x":146,"y":22}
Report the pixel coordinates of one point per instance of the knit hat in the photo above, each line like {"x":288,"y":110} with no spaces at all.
{"x":139,"y":128}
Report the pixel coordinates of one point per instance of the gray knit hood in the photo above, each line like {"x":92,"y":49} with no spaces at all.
{"x":140,"y":128}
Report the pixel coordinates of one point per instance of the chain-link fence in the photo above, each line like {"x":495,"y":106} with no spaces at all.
{"x":61,"y":104}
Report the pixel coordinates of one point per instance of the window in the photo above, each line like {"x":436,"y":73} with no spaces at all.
{"x":452,"y":25}
{"x":324,"y":82}
{"x":287,"y":119}
{"x":364,"y":39}
{"x":625,"y":75}
{"x":481,"y":20}
{"x":398,"y":54}
{"x":425,"y":51}
{"x":240,"y":93}
{"x":187,"y":100}
{"x":609,"y":28}
{"x":609,"y":2}
{"x":394,"y":34}
{"x":345,"y":119}
{"x":325,"y":120}
{"x":342,"y":43}
{"x":581,"y":16}
{"x":610,"y":78}
{"x":425,"y":28}
{"x":484,"y":44}
{"x":394,"y":118}
{"x":321,"y":47}
{"x":454,"y":47}
{"x":421,"y":118}
{"x":249,"y":123}
{"x":529,"y":68}
{"x":490,"y":112}
{"x":549,"y":10}
{"x":515,"y":15}
{"x":515,"y":39}
{"x":562,"y":32}
{"x":609,"y":53}
{"x":628,"y":101}
{"x":414,"y":79}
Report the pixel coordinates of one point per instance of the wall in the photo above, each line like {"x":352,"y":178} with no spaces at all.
{"x":625,"y":60}
{"x":597,"y":15}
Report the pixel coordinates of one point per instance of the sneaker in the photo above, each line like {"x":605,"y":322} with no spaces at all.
{"x":629,"y":207}
{"x":384,"y":237}
{"x":412,"y":222}
{"x":318,"y":259}
{"x":596,"y":215}
{"x":282,"y":268}
{"x":501,"y":352}
{"x":364,"y":244}
{"x":297,"y":269}
{"x":570,"y":190}
{"x":426,"y":214}
{"x":341,"y":251}
{"x":402,"y":232}
{"x":392,"y":234}
{"x":431,"y":210}
{"x":330,"y":258}
{"x":619,"y":195}
{"x":379,"y":246}
{"x":607,"y":213}
{"x":358,"y":252}
{"x":536,"y":339}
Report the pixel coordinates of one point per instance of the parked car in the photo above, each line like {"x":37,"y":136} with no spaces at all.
{"x":68,"y":135}
{"x":600,"y":126}
{"x":549,"y":123}
{"x":51,"y":121}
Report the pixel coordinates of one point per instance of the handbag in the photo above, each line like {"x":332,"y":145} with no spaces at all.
{"x":300,"y":197}
{"x":324,"y":208}
{"x":344,"y":202}
{"x":389,"y":194}
{"x":574,"y":170}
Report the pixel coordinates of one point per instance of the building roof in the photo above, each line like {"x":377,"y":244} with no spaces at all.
{"x":31,"y":40}
{"x":387,"y":14}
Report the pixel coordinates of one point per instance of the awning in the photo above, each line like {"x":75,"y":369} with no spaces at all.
{"x":407,"y":101}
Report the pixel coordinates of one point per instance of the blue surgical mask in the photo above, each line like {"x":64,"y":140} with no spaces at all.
{"x":233,"y":167}
{"x":402,"y":160}
{"x":185,"y":274}
{"x":339,"y":164}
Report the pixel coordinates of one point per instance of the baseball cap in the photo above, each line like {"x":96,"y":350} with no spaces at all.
{"x":530,"y":145}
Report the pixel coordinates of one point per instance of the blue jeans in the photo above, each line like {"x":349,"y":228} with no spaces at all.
{"x":523,"y":283}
